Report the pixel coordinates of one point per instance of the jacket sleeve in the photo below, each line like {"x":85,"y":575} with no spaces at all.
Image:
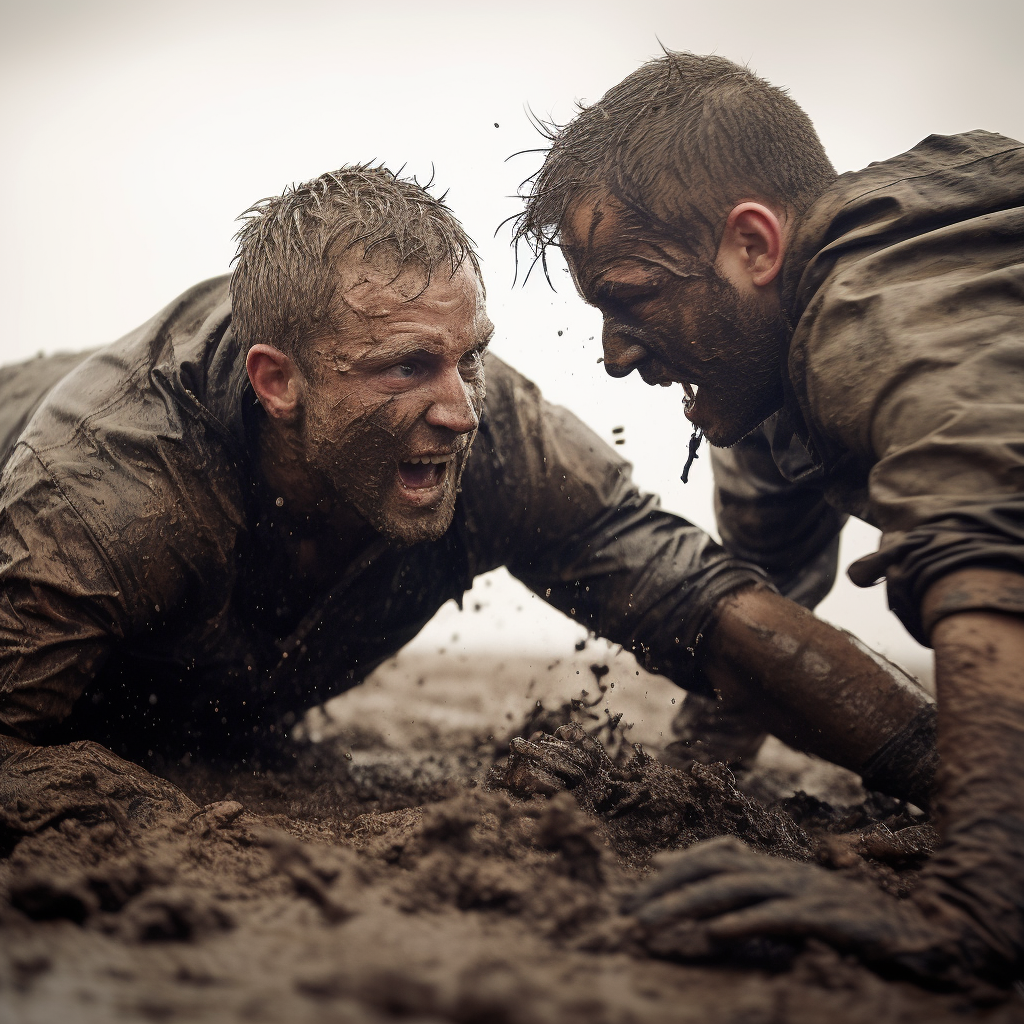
{"x":787,"y":528}
{"x":915,"y":368}
{"x":60,"y":606}
{"x":560,"y":509}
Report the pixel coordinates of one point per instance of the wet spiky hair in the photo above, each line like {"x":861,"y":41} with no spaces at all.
{"x":285,"y":275}
{"x":678,"y":142}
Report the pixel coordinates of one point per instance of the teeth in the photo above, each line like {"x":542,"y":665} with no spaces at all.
{"x":690,"y":393}
{"x":431,"y":460}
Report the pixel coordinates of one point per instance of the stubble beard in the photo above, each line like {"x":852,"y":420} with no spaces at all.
{"x":358,"y":472}
{"x":752,"y":338}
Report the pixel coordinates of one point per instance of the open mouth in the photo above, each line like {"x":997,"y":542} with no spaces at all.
{"x":690,"y":390}
{"x":422,"y":472}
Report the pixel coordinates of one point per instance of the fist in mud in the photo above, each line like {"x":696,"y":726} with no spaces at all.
{"x":43,"y":786}
{"x":549,"y":764}
{"x":719,"y":895}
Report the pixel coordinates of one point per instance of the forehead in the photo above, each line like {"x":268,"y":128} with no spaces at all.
{"x":386,"y":313}
{"x":591,"y":223}
{"x":600,"y":237}
{"x":376,"y":287}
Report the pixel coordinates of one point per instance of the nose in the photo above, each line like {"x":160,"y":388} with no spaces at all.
{"x":622,"y":354}
{"x":455,"y":405}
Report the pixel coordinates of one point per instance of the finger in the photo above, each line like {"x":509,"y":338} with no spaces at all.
{"x":684,"y":939}
{"x":571,"y":733}
{"x":698,"y":862}
{"x":547,"y":756}
{"x":871,"y":930}
{"x":791,"y":917}
{"x":715,"y":896}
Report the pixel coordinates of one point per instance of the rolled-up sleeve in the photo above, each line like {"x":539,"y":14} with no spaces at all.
{"x":577,"y":531}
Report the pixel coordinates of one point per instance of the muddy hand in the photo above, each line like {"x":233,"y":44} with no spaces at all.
{"x":43,"y":786}
{"x":719,"y":893}
{"x":549,"y":764}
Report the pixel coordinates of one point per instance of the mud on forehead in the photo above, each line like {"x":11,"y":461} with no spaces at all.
{"x":373,"y":285}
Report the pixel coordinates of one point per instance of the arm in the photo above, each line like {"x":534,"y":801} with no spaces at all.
{"x":594,"y":546}
{"x":556,"y":505}
{"x":61,"y":611}
{"x":974,"y":885}
{"x":967,"y":911}
{"x":822,"y":691}
{"x":60,"y":606}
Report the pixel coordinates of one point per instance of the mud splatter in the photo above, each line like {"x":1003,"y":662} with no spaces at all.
{"x":357,"y":882}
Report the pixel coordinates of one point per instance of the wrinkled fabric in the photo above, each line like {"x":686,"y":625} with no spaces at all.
{"x":149,"y":595}
{"x":782,"y":523}
{"x":905,"y":379}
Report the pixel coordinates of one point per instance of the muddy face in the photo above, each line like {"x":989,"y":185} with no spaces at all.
{"x":670,"y":316}
{"x":394,"y":397}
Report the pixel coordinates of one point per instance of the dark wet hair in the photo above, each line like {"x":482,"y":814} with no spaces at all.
{"x":679,"y":142}
{"x":283,"y":285}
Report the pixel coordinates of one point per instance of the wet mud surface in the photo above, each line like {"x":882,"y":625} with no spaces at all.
{"x":438,"y":858}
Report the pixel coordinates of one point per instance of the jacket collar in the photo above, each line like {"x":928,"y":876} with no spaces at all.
{"x":203,"y":363}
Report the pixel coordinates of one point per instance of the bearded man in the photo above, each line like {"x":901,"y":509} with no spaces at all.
{"x":852,"y":345}
{"x":244,"y":506}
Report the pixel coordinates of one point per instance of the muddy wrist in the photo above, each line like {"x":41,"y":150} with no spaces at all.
{"x":906,"y":763}
{"x":970,"y":891}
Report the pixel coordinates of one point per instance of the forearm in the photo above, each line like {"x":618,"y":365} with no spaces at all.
{"x":979,"y":869}
{"x":819,"y":689}
{"x":641,"y":577}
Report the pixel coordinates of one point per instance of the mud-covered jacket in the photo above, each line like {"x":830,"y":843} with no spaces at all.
{"x":145,"y":588}
{"x":905,"y":384}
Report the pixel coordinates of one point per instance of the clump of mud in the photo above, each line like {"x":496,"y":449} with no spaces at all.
{"x":470,"y":880}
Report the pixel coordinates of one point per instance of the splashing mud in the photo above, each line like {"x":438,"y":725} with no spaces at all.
{"x":454,"y":877}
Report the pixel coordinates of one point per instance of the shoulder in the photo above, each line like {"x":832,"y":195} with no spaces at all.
{"x":917,"y":275}
{"x":118,"y":447}
{"x":942,"y":183}
{"x":506,"y":386}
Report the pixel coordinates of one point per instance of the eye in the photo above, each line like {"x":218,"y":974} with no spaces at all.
{"x":402,"y":370}
{"x":471,"y":362}
{"x":620,"y":298}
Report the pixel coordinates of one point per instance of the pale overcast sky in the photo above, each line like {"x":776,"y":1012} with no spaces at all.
{"x":136,"y":132}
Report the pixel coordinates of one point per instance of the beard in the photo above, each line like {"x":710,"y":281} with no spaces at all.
{"x":742,"y":382}
{"x":356,"y":468}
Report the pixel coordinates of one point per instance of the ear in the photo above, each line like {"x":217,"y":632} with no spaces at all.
{"x":753,"y":246}
{"x":276,"y":380}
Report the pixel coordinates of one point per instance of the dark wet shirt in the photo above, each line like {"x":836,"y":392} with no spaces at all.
{"x":150,"y":594}
{"x":905,"y":405}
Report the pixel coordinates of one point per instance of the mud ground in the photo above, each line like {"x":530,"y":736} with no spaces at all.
{"x":386,"y":871}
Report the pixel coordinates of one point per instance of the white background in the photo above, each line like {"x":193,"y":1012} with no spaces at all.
{"x":134,"y":133}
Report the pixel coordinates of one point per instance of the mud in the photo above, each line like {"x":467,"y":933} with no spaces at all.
{"x":406,"y":867}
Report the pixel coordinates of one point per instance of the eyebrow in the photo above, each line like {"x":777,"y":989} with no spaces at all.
{"x":417,"y":345}
{"x":616,"y":289}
